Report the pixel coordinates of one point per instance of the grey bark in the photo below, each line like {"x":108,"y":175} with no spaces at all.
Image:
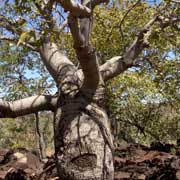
{"x":83,"y":141}
{"x":54,"y":59}
{"x":27,"y":106}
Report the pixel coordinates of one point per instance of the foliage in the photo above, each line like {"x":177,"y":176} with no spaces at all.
{"x":144,"y":108}
{"x":22,"y":75}
{"x":20,"y":132}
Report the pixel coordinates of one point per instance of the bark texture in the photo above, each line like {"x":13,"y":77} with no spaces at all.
{"x":83,"y":142}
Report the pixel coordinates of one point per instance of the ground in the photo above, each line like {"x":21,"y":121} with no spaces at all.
{"x":132,"y":162}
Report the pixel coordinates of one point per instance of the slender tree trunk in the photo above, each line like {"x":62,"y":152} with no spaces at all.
{"x":40,"y":138}
{"x":83,"y":142}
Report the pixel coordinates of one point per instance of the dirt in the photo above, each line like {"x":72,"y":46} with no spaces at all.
{"x":132,"y":162}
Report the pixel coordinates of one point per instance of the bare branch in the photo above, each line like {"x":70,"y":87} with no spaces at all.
{"x":169,"y":21}
{"x":27,"y":106}
{"x":8,"y":39}
{"x":97,"y":2}
{"x":63,"y":25}
{"x":55,"y":60}
{"x":118,"y":64}
{"x":81,"y":30}
{"x":80,"y":10}
{"x":10,"y":25}
{"x":176,"y":1}
{"x":86,"y":54}
{"x":139,"y":44}
{"x":80,"y":23}
{"x":76,"y":9}
{"x":78,"y":38}
{"x":93,"y":3}
{"x":112,"y":67}
{"x":15,"y":41}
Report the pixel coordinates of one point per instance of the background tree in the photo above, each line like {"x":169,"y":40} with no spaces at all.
{"x":22,"y":77}
{"x":83,"y":141}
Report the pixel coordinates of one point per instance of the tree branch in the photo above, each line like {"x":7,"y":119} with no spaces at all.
{"x":80,"y":23}
{"x":76,"y":9}
{"x":49,"y":4}
{"x":112,"y":68}
{"x":15,"y":41}
{"x":97,"y":2}
{"x":168,"y":21}
{"x":27,"y":106}
{"x":51,"y":55}
{"x":8,"y":39}
{"x":15,"y":28}
{"x":86,"y":54}
{"x":80,"y":10}
{"x":45,"y":9}
{"x":10,"y":25}
{"x":63,"y":25}
{"x":119,"y":64}
{"x":44,"y":6}
{"x":55,"y":61}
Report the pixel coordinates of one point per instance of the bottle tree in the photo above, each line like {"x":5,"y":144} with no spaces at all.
{"x":83,"y":140}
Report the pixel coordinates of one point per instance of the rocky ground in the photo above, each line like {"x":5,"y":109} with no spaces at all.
{"x":132,"y":162}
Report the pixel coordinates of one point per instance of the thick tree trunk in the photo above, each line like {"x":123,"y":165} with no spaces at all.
{"x":83,"y":142}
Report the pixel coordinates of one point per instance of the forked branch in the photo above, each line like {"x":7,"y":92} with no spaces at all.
{"x":76,"y":9}
{"x":10,"y":25}
{"x":85,"y":52}
{"x":119,"y":64}
{"x":81,"y":28}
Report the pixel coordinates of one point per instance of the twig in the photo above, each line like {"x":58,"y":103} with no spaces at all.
{"x":122,"y":20}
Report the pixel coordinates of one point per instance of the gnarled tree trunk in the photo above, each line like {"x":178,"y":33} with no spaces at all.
{"x":83,"y":142}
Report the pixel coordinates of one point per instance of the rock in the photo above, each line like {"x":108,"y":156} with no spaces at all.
{"x":132,"y":162}
{"x":17,"y":162}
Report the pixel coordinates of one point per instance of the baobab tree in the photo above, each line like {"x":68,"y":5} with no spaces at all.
{"x":82,"y":135}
